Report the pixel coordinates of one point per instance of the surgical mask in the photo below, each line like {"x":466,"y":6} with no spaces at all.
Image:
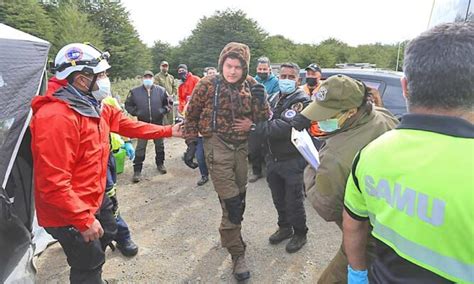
{"x":329,"y":125}
{"x":333,"y":124}
{"x":263,"y":75}
{"x":311,"y":82}
{"x":103,"y":91}
{"x":147,"y":83}
{"x":287,"y":86}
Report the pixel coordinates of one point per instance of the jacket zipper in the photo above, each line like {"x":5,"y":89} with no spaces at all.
{"x":101,"y":150}
{"x":149,"y":104}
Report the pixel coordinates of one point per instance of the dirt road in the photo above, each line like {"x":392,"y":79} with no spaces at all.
{"x":175,"y":224}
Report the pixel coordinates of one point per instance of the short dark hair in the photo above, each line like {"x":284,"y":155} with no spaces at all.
{"x":293,"y":66}
{"x":439,"y":67}
{"x":263,"y":60}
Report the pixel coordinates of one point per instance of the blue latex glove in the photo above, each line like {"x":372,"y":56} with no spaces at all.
{"x":129,"y":150}
{"x":356,"y":276}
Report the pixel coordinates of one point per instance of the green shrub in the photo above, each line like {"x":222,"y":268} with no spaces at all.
{"x":121,"y":87}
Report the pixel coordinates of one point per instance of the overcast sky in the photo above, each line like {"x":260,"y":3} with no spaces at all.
{"x":352,"y":21}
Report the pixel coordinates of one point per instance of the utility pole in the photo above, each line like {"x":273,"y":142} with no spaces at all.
{"x":398,"y":55}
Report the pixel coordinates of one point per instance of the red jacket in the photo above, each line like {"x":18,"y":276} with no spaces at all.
{"x":70,"y":148}
{"x":185,"y":91}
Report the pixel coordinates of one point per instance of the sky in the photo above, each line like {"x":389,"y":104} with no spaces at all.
{"x":354,"y":22}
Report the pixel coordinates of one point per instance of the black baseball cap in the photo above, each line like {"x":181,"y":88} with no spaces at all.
{"x":148,"y":72}
{"x":313,"y":67}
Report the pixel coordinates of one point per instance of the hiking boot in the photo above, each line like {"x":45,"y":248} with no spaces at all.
{"x":254,"y":177}
{"x":240,"y":271}
{"x":280,"y":235}
{"x":203,"y":181}
{"x":137,"y":177}
{"x":127,"y":248}
{"x":297,"y":242}
{"x":161,"y":169}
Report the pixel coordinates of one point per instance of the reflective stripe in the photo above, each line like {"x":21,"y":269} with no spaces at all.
{"x":448,"y":265}
{"x":111,"y":192}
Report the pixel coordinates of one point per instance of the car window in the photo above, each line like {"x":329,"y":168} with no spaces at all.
{"x":394,"y":101}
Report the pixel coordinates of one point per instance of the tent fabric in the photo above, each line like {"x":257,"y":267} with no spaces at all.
{"x":22,"y":68}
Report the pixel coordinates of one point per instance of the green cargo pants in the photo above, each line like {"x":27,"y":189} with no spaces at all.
{"x":336,"y":271}
{"x":227,"y":165}
{"x":169,"y":118}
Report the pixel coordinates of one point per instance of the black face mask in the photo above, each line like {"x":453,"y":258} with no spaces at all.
{"x":182,"y":76}
{"x":311,"y":81}
{"x":263,"y":76}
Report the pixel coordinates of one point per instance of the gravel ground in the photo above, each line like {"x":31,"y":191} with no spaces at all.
{"x":175,"y":223}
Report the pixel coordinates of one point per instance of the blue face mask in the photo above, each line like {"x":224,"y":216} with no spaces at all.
{"x":287,"y":86}
{"x":148,"y":82}
{"x":329,"y":125}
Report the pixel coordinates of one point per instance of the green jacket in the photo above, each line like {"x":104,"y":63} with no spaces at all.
{"x":326,"y":186}
{"x":168,"y":82}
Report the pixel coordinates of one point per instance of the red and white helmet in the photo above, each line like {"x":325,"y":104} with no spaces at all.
{"x":80,"y":57}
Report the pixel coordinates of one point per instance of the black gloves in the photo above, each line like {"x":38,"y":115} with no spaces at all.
{"x":300,"y":122}
{"x":258,"y":91}
{"x":189,"y":155}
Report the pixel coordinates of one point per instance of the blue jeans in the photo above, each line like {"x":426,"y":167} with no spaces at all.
{"x":201,"y":158}
{"x":123,"y":233}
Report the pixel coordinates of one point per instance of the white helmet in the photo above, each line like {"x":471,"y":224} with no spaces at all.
{"x":80,"y":57}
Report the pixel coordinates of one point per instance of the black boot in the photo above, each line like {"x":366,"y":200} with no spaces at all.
{"x":127,"y":248}
{"x":137,"y":177}
{"x":240,"y":270}
{"x":161,"y":169}
{"x":254,"y":177}
{"x":203,"y":180}
{"x":296,"y":243}
{"x":281,"y":234}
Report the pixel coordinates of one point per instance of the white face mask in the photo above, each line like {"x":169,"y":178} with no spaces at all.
{"x":104,"y":89}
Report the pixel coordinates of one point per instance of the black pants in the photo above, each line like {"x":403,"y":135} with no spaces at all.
{"x":285,"y":179}
{"x":256,"y":152}
{"x":86,"y":259}
{"x":140,"y":152}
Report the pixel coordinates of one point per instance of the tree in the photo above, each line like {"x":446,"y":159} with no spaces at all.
{"x":28,"y":16}
{"x":211,"y":34}
{"x":332,"y":51}
{"x":129,"y":55}
{"x":159,"y":52}
{"x":280,"y":49}
{"x":74,"y":26}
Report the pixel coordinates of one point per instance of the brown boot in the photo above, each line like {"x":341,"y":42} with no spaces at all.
{"x":241,"y":271}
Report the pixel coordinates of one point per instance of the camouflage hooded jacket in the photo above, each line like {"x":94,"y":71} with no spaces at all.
{"x":234,"y":101}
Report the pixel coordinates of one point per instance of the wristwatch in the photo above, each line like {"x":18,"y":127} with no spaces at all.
{"x":253,"y":127}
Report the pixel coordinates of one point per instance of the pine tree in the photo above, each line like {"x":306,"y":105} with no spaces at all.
{"x":72,"y":25}
{"x":28,"y":16}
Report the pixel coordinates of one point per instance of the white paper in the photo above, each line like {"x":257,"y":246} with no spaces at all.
{"x":303,"y":142}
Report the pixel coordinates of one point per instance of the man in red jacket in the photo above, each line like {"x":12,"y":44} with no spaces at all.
{"x":185,"y":90}
{"x":70,"y":144}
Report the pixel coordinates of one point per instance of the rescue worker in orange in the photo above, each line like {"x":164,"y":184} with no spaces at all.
{"x":70,"y":145}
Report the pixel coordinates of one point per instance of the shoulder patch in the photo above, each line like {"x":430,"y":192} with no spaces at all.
{"x":290,"y":113}
{"x":298,"y":107}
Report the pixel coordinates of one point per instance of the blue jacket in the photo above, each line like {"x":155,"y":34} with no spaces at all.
{"x":271,"y":85}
